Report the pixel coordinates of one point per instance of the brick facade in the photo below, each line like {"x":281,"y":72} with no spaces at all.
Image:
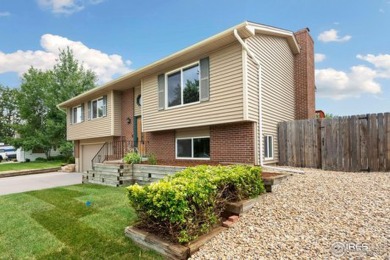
{"x":161,"y":144}
{"x":233,"y":143}
{"x":304,"y":76}
{"x":229,"y":143}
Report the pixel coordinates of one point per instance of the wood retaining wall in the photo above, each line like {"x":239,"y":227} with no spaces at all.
{"x":126,"y":174}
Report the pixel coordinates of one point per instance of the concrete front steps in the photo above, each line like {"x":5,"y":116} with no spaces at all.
{"x":120,"y":174}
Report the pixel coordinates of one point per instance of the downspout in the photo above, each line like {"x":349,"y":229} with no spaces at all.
{"x":260,"y":120}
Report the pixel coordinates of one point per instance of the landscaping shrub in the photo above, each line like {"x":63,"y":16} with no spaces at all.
{"x":132,"y":158}
{"x":40,"y":159}
{"x":71,"y":160}
{"x":152,"y":159}
{"x":188,"y":204}
{"x":57,"y":158}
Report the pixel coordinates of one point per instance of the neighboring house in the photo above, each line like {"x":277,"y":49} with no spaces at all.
{"x":32,"y":155}
{"x":202,"y":103}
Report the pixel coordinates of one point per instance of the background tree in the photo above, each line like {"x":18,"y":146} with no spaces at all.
{"x":191,"y":91}
{"x":44,"y":125}
{"x":330,"y":115}
{"x":9,"y":112}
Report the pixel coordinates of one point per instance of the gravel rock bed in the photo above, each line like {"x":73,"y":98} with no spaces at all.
{"x":316,"y":215}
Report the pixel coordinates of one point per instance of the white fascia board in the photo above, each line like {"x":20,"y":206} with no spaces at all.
{"x":263,"y":29}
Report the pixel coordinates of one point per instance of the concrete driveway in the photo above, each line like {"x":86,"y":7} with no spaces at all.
{"x":38,"y":182}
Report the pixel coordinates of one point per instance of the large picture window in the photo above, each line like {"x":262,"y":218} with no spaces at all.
{"x":193,"y":148}
{"x":268,"y":147}
{"x":78,"y":114}
{"x":97,"y":108}
{"x":183,"y":86}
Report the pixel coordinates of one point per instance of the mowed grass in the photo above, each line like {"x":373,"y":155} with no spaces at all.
{"x":28,"y":166}
{"x":58,"y":224}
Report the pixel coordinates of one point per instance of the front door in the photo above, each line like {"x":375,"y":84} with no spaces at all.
{"x":141,"y":137}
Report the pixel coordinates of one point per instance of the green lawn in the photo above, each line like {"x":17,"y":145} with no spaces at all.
{"x":28,"y":165}
{"x":58,"y":224}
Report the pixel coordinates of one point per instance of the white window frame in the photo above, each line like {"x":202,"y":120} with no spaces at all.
{"x":97,"y":111}
{"x":267,"y":147}
{"x":181,"y":69}
{"x":81,"y":115}
{"x":192,"y":148}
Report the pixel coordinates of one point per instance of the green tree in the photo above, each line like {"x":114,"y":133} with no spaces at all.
{"x":330,"y":116}
{"x":70,"y":77}
{"x":9,"y":112}
{"x":43,"y":124}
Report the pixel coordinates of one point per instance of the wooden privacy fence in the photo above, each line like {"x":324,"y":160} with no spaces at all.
{"x":351,"y":143}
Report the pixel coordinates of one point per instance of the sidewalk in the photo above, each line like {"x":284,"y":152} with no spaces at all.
{"x":38,"y":182}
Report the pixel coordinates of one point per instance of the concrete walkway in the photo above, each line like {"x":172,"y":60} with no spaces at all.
{"x":38,"y":182}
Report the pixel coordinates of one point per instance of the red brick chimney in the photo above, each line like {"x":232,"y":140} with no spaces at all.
{"x":304,"y":76}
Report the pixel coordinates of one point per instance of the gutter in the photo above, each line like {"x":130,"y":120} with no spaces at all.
{"x":260,"y":120}
{"x":58,"y":106}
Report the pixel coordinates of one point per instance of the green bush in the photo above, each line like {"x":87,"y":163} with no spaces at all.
{"x":71,"y":160}
{"x":188,"y":204}
{"x":57,"y":158}
{"x":40,"y":159}
{"x":152,"y":159}
{"x":132,"y":158}
{"x":66,"y":150}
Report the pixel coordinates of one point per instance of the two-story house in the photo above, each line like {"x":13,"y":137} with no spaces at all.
{"x":217,"y":101}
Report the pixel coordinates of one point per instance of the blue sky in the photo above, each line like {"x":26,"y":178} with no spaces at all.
{"x":112,"y":37}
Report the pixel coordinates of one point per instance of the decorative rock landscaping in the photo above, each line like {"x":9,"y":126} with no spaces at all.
{"x":317,"y":215}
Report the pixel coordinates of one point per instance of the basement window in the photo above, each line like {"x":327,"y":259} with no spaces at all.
{"x":197,"y":148}
{"x":268,"y":147}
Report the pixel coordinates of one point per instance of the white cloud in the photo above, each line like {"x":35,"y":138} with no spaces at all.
{"x":3,"y":14}
{"x":318,"y":57}
{"x":336,"y":84}
{"x":104,"y":65}
{"x":381,"y":63}
{"x":66,"y":7}
{"x":332,"y":36}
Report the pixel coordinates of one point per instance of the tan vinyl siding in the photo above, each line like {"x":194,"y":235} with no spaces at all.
{"x":226,"y":95}
{"x":137,"y":108}
{"x":193,"y":132}
{"x":99,"y":127}
{"x":277,"y":63}
{"x":100,"y":140}
{"x":116,"y":114}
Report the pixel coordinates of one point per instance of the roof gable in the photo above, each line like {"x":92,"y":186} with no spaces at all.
{"x":197,"y":50}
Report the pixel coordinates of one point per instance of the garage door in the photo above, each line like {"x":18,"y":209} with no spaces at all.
{"x":87,"y":154}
